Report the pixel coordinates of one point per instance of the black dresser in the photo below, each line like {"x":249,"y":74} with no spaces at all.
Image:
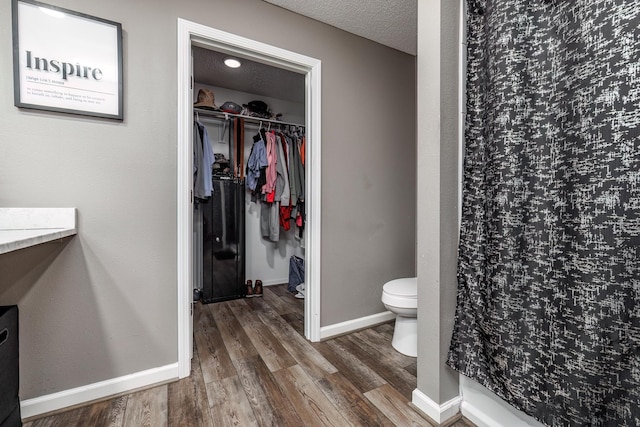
{"x":223,"y":246}
{"x":9,"y":368}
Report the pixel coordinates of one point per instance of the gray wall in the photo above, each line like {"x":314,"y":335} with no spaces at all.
{"x":437,"y":231}
{"x":102,"y":304}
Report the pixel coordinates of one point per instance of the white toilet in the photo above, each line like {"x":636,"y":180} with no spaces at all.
{"x":400,"y":296}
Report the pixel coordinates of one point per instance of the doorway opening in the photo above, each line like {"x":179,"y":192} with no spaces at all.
{"x":192,"y":34}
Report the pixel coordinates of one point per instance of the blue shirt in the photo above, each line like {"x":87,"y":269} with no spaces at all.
{"x":257,"y":160}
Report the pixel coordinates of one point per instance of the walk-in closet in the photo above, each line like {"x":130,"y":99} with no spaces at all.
{"x":249,"y":145}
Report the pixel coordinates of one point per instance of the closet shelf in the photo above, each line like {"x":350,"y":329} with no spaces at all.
{"x":24,"y":227}
{"x":223,"y":115}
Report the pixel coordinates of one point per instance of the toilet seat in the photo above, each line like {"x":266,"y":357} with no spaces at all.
{"x":402,"y":293}
{"x":400,"y":296}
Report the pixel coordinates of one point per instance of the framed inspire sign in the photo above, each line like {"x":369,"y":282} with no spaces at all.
{"x":66,"y":61}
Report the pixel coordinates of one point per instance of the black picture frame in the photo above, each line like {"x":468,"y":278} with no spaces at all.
{"x":65,"y":61}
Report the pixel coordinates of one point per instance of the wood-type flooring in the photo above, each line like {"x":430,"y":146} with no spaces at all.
{"x":252,"y":366}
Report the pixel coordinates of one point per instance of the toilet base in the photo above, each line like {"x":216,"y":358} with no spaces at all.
{"x":405,"y":336}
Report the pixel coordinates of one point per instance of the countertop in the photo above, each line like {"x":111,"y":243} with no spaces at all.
{"x":24,"y":227}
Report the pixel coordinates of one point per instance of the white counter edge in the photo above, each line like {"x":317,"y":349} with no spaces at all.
{"x":24,"y":227}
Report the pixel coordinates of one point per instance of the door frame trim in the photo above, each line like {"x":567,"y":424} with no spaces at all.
{"x":191,"y":33}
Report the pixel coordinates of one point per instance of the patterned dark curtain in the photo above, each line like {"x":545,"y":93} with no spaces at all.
{"x":548,"y":311}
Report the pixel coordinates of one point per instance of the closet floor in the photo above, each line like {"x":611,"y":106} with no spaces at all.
{"x":252,"y":366}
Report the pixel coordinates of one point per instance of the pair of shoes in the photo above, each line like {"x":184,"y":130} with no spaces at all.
{"x":254,"y":292}
{"x":300,"y":289}
{"x":249,"y":292}
{"x":257,"y":291}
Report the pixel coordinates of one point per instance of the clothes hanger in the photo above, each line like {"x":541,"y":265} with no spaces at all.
{"x":221,"y":139}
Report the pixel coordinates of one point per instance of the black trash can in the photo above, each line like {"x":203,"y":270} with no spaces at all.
{"x":9,"y":368}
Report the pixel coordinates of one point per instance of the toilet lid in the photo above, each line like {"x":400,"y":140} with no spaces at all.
{"x":405,"y":288}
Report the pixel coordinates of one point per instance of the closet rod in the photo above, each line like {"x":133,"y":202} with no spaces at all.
{"x":222,"y":115}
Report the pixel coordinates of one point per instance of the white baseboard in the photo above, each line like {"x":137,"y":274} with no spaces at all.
{"x":438,"y":413}
{"x":274,"y":282}
{"x":355,"y":324}
{"x":100,"y":390}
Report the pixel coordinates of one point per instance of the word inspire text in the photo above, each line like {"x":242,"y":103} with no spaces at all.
{"x":65,"y":68}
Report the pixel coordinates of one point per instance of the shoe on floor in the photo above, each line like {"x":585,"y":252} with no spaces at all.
{"x":249,"y":289}
{"x":257,"y":291}
{"x":299,"y":295}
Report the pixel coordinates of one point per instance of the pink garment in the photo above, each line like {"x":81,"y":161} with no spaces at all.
{"x":272,"y":161}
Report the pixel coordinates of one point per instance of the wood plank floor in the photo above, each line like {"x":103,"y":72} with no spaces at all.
{"x":252,"y":366}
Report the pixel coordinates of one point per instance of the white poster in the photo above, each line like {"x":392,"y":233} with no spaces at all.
{"x":66,"y":62}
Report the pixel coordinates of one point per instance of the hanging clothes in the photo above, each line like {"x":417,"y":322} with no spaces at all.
{"x":256,"y":163}
{"x":270,"y":220}
{"x":270,"y":209}
{"x":203,"y":159}
{"x":283,"y":191}
{"x":272,"y":160}
{"x":275,"y":175}
{"x":285,"y":202}
{"x":296,"y":171}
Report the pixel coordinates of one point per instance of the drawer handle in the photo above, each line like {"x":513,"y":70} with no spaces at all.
{"x":3,"y":336}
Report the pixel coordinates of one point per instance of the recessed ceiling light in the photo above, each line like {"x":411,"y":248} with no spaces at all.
{"x":232,"y":63}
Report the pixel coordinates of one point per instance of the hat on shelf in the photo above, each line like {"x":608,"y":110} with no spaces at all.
{"x":257,"y":107}
{"x":206,"y":98}
{"x":231,"y":107}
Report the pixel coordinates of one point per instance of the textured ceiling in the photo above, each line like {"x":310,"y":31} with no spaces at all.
{"x":252,"y":77}
{"x":392,"y":23}
{"x":388,"y":22}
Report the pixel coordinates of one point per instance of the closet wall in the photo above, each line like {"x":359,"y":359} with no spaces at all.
{"x":265,"y":260}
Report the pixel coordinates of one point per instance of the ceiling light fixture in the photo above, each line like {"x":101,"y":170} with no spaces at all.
{"x":232,"y":63}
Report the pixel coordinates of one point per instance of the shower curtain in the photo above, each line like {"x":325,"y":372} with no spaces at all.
{"x":548,"y":304}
